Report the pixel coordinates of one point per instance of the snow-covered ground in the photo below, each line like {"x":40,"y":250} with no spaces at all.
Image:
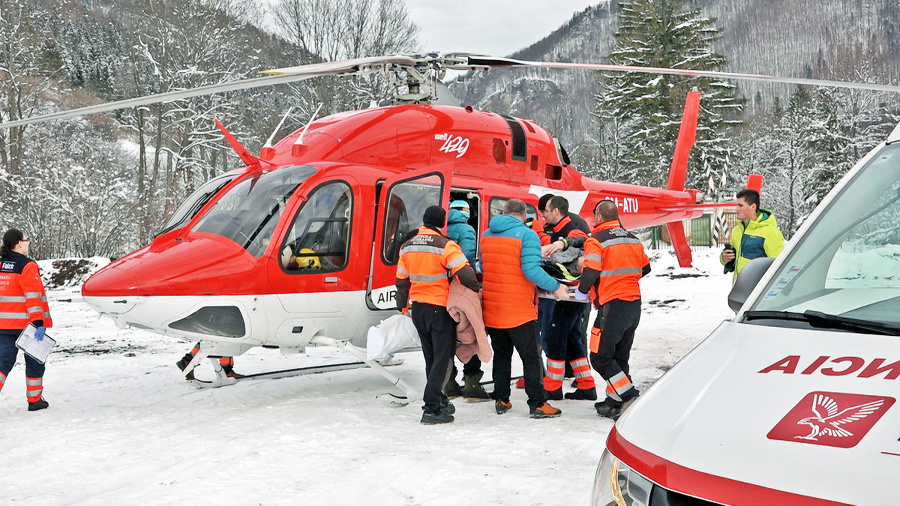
{"x":124,"y":427}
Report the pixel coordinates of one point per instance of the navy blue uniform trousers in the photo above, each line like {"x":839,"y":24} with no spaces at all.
{"x":9,"y":351}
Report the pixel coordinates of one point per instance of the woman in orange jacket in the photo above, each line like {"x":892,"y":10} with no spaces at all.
{"x":22,"y":301}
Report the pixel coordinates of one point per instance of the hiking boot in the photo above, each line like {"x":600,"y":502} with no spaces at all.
{"x":38,"y":404}
{"x":229,"y":372}
{"x":183,"y":363}
{"x":554,"y":395}
{"x":502,"y":406}
{"x":611,"y":408}
{"x":452,"y":388}
{"x":448,"y":407}
{"x":473,"y":391}
{"x":545,"y":410}
{"x":520,"y":383}
{"x":583,"y":394}
{"x":442,"y":416}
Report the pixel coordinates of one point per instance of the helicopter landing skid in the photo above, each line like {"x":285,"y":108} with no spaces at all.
{"x":343,"y":344}
{"x":223,"y":380}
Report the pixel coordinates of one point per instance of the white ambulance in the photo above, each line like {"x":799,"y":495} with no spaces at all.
{"x":794,"y":400}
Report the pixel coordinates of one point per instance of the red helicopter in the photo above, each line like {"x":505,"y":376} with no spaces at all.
{"x":299,"y":247}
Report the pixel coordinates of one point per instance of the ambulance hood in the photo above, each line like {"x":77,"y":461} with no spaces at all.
{"x":772,"y":409}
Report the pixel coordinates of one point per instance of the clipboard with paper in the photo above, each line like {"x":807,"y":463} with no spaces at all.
{"x":38,"y":350}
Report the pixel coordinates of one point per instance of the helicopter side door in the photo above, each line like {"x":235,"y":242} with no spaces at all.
{"x":401,"y":205}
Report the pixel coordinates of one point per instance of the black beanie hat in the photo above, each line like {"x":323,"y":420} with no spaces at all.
{"x":435,"y":217}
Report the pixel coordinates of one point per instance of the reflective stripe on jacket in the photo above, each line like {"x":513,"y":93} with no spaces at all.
{"x":511,"y":265}
{"x":22,"y":296}
{"x":614,"y":261}
{"x":428,"y":260}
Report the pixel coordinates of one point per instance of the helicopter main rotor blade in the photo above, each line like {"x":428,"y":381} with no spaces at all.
{"x":432,"y":61}
{"x":477,"y":61}
{"x":280,"y":76}
{"x":343,"y":66}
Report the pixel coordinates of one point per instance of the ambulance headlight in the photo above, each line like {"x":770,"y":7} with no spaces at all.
{"x":616,"y":484}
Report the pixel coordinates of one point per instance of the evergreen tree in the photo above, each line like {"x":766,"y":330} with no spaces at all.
{"x":787,"y":162}
{"x":673,"y":34}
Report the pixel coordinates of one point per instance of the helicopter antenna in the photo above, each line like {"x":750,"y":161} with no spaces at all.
{"x":277,"y":128}
{"x":311,"y":118}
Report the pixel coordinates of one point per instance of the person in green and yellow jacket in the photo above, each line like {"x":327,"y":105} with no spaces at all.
{"x":755,"y":234}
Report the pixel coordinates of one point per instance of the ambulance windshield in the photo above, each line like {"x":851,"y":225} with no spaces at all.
{"x":848,"y":262}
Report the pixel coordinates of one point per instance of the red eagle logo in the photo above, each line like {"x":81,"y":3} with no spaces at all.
{"x":828,"y":419}
{"x":838,"y":419}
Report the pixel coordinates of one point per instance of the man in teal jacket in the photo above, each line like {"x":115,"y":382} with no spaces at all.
{"x":755,"y":234}
{"x":459,"y":230}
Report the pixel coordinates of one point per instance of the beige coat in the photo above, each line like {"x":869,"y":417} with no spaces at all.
{"x":464,"y":306}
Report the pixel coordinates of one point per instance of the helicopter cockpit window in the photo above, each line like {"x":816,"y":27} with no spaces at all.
{"x":196,"y":201}
{"x":405,"y":206}
{"x":319,"y":238}
{"x":248,"y":212}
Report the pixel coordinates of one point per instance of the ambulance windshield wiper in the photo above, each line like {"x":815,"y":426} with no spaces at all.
{"x":821,"y":320}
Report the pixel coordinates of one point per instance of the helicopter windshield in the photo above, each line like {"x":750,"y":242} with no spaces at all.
{"x":196,"y":201}
{"x":248,"y":212}
{"x":848,"y":262}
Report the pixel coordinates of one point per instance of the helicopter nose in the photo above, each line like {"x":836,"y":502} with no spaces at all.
{"x":111,"y":291}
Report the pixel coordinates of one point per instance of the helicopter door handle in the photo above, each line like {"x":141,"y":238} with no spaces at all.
{"x":331,"y":279}
{"x":123,"y":301}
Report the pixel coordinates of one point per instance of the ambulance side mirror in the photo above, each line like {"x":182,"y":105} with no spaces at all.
{"x":747,"y":281}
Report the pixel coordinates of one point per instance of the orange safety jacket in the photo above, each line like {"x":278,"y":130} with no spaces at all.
{"x":22,"y":296}
{"x":614,"y":261}
{"x":564,"y":229}
{"x":511,"y":261}
{"x":427,"y":261}
{"x":538,"y":227}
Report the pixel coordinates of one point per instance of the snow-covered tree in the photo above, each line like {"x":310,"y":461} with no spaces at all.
{"x":664,"y":33}
{"x":330,"y":30}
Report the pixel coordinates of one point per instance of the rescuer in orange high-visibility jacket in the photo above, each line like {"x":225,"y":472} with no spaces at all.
{"x":22,"y":301}
{"x":614,"y":261}
{"x":427,"y":262}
